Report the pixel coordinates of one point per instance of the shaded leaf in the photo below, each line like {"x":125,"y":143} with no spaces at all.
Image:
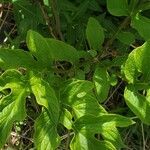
{"x":141,"y":24}
{"x":94,"y":34}
{"x":117,"y":7}
{"x":62,"y":51}
{"x":11,"y":59}
{"x":126,"y":37}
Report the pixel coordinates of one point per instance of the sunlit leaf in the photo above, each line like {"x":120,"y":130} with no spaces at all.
{"x":13,"y":105}
{"x":45,"y":136}
{"x":137,"y":62}
{"x":45,"y":96}
{"x":77,"y":94}
{"x":138,"y":103}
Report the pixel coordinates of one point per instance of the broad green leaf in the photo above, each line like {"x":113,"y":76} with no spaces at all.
{"x":62,"y":51}
{"x":130,"y":69}
{"x":138,"y":61}
{"x":112,"y":135}
{"x":94,"y":34}
{"x":45,"y":136}
{"x":83,"y":142}
{"x":78,"y":95}
{"x":141,"y":24}
{"x":10,"y":105}
{"x":39,"y":47}
{"x":66,"y":118}
{"x":118,"y":7}
{"x":87,"y":126}
{"x":45,"y":96}
{"x":126,"y":37}
{"x":48,"y":50}
{"x":142,"y":59}
{"x":95,"y":124}
{"x":11,"y":59}
{"x":102,"y":84}
{"x":138,"y":103}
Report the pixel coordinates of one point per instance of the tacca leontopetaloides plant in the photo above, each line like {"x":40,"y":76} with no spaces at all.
{"x":76,"y":107}
{"x":74,"y":103}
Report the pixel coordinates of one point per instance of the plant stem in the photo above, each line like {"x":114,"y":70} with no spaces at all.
{"x":47,"y":20}
{"x":123,"y":25}
{"x":57,"y":18}
{"x":143,"y":136}
{"x":111,"y":40}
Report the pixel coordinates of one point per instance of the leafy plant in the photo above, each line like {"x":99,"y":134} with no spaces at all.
{"x":71,"y":83}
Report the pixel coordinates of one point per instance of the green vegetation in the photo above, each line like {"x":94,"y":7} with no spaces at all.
{"x":75,"y":75}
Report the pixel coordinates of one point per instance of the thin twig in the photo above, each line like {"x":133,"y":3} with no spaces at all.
{"x":68,"y":140}
{"x":143,"y":136}
{"x":21,"y":136}
{"x":111,"y":40}
{"x":66,"y":136}
{"x":7,"y":13}
{"x":113,"y":93}
{"x":57,"y":18}
{"x":47,"y":20}
{"x":12,"y":30}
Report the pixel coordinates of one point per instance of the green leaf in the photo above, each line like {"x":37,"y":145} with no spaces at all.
{"x":94,"y":34}
{"x":45,"y":136}
{"x":129,"y":68}
{"x":138,"y":61}
{"x":10,"y":105}
{"x":87,"y":126}
{"x":62,"y":51}
{"x":66,"y":119}
{"x":45,"y":96}
{"x":126,"y":37}
{"x":39,"y":47}
{"x":138,"y":103}
{"x":102,"y":84}
{"x":48,"y":50}
{"x":83,"y":142}
{"x":11,"y":59}
{"x":112,"y":135}
{"x":95,"y":124}
{"x":27,"y":16}
{"x":118,"y":7}
{"x":78,"y":95}
{"x":141,"y":24}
